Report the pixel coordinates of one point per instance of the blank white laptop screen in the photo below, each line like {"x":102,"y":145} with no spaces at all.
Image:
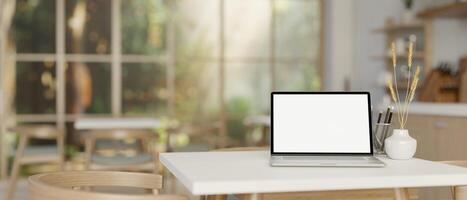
{"x":321,"y":123}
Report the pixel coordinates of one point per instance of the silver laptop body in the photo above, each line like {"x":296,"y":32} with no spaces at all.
{"x":342,"y":139}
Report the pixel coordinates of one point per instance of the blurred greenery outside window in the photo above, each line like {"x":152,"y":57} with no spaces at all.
{"x":144,"y":29}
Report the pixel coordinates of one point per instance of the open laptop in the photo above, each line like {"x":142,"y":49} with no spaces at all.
{"x":322,"y":129}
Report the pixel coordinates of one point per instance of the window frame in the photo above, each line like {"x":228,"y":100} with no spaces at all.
{"x":116,"y":59}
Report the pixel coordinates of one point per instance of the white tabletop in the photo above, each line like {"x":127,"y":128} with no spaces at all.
{"x":117,"y":123}
{"x":205,"y":173}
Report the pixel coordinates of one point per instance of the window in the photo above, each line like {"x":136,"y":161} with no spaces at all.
{"x":195,"y":60}
{"x":35,"y":79}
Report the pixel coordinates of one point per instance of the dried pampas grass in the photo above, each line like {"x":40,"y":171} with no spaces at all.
{"x":403,"y":106}
{"x":391,"y":90}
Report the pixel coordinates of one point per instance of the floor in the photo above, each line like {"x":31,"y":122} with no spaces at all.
{"x":22,"y":192}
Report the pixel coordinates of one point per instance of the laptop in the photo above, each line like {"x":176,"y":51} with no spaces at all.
{"x":331,"y":129}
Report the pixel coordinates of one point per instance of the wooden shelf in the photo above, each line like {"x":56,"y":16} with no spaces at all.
{"x":451,"y":10}
{"x":399,"y":27}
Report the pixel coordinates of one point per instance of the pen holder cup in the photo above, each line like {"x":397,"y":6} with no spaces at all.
{"x":380,"y":133}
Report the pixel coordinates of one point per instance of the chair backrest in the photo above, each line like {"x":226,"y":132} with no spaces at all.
{"x":63,"y":185}
{"x":37,"y":131}
{"x":119,"y":134}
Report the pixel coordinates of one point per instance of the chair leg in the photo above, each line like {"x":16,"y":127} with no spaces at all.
{"x":16,"y":168}
{"x":156,"y":162}
{"x":61,"y":150}
{"x":264,"y":138}
{"x":459,"y":193}
{"x":453,"y":192}
{"x":155,"y":192}
{"x":251,"y":196}
{"x":88,"y":148}
{"x":402,"y":194}
{"x":3,"y":156}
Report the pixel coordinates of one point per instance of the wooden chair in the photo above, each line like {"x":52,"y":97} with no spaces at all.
{"x":35,"y":155}
{"x":66,"y":185}
{"x":146,"y":159}
{"x":205,"y":132}
{"x":375,"y":194}
{"x":261,"y":123}
{"x":458,"y":192}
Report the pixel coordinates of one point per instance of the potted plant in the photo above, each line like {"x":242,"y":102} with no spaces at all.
{"x":400,"y":145}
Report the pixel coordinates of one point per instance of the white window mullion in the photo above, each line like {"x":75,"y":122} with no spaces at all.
{"x":272,"y":48}
{"x":170,"y":62}
{"x":61,"y":63}
{"x":3,"y":156}
{"x":223,"y":117}
{"x":116,"y":80}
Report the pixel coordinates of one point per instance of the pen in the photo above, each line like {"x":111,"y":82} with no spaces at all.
{"x":390,"y":118}
{"x":386,"y":116}
{"x":379,"y":117}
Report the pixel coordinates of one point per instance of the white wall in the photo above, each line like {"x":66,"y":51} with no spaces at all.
{"x":449,"y":40}
{"x":369,"y":72}
{"x":339,"y":36}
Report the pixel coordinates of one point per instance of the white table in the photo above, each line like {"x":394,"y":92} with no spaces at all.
{"x":209,"y":173}
{"x":117,"y":123}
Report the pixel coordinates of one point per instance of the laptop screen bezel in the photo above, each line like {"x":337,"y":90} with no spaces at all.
{"x":322,"y":153}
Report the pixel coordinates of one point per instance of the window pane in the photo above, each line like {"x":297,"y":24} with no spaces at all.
{"x":297,"y":28}
{"x":197,"y":29}
{"x":247,"y":26}
{"x":143,"y":26}
{"x":197,"y":92}
{"x":247,"y":93}
{"x":88,"y":88}
{"x":144,"y":89}
{"x":88,"y":26}
{"x":250,"y":85}
{"x":33,"y":26}
{"x":297,"y":77}
{"x":35,"y":88}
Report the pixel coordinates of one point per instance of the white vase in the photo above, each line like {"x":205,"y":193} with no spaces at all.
{"x":400,"y":146}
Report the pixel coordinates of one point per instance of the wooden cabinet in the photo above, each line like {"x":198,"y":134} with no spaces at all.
{"x":439,"y":137}
{"x":422,"y":128}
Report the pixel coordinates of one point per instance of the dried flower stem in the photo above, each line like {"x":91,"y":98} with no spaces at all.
{"x":403,"y":106}
{"x":396,"y":97}
{"x":409,"y":65}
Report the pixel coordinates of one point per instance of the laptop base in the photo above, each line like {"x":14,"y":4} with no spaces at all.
{"x":325,"y":161}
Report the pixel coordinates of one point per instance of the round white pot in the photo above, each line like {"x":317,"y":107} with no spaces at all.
{"x":400,"y":146}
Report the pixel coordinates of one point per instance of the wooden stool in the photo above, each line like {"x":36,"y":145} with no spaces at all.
{"x":66,"y":185}
{"x":25,"y":156}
